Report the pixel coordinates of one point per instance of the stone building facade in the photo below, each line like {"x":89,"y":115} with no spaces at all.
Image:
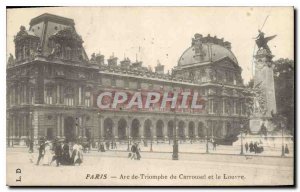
{"x":51,"y":86}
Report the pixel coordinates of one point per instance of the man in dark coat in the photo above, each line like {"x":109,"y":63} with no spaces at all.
{"x":246,"y":147}
{"x":255,"y":148}
{"x":138,"y":155}
{"x":66,"y":154}
{"x":286,"y":149}
{"x":58,"y":151}
{"x":251,"y":146}
{"x":133,"y":151}
{"x":41,"y":152}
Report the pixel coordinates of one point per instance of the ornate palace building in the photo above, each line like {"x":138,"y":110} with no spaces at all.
{"x":51,"y":84}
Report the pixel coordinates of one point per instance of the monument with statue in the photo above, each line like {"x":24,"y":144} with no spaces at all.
{"x":264,"y":101}
{"x":266,"y":127}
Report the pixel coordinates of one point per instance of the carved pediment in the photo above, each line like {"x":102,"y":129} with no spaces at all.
{"x":68,"y":37}
{"x":226,"y":62}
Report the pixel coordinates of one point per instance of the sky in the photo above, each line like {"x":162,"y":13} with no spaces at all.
{"x":164,"y":33}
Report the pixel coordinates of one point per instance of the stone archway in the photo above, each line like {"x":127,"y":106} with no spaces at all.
{"x":147,"y":129}
{"x":70,"y":129}
{"x":201,"y":130}
{"x":159,"y":129}
{"x":108,"y":128}
{"x":191,"y":129}
{"x":170,"y":128}
{"x":122,"y":125}
{"x":135,"y":126}
{"x":181,"y":127}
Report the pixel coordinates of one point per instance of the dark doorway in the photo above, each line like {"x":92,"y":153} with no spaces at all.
{"x":181,"y":134}
{"x":122,"y":124}
{"x":201,"y":131}
{"x":159,"y":129}
{"x":147,"y":128}
{"x":135,"y":128}
{"x":69,"y":129}
{"x":108,"y":128}
{"x":50,"y":134}
{"x":191,"y":129}
{"x":170,"y":129}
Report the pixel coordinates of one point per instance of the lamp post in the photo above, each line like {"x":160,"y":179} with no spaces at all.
{"x":206,"y":140}
{"x":282,"y":148}
{"x":31,"y":133}
{"x":99,"y":116}
{"x":242,"y":148}
{"x":175,"y":142}
{"x":128,"y":147}
{"x":151,"y":141}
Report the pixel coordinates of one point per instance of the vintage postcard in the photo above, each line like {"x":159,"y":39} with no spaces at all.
{"x":150,"y":96}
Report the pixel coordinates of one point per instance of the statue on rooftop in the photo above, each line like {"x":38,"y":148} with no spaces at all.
{"x":262,"y":41}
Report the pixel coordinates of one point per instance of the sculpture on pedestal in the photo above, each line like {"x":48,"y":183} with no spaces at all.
{"x":263,"y":92}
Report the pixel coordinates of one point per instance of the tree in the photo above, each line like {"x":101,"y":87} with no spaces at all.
{"x":284,"y":90}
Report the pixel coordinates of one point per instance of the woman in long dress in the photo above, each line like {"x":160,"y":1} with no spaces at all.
{"x":77,"y":154}
{"x":48,"y":156}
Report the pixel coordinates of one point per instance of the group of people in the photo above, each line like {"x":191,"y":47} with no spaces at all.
{"x":60,"y":152}
{"x":106,"y":145}
{"x":135,"y":152}
{"x":254,"y":147}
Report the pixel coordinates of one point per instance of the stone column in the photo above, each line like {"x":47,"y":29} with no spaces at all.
{"x":153,"y":131}
{"x":58,"y":125}
{"x":186,"y":130}
{"x":165,"y":130}
{"x":196,"y":130}
{"x":58,"y":94}
{"x":62,"y":126}
{"x":101,"y":127}
{"x":129,"y":122}
{"x":79,"y":95}
{"x":223,"y":100}
{"x":115,"y":129}
{"x":141,"y":129}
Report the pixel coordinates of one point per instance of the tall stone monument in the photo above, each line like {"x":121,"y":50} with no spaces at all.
{"x":264,"y":102}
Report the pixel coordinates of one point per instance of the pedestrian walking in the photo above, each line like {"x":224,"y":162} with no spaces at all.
{"x":77,"y":154}
{"x":138,"y":155}
{"x":66,"y":154}
{"x":286,"y":149}
{"x":246,"y":147}
{"x":58,"y":151}
{"x":30,"y":146}
{"x":255,"y":147}
{"x":41,"y":152}
{"x":47,"y":155}
{"x":214,"y":145}
{"x":133,"y":151}
{"x":251,"y":147}
{"x":107,"y":145}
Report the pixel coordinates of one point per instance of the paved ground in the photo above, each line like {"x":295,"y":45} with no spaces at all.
{"x":158,"y":169}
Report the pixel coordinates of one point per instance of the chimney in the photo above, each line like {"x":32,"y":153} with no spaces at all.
{"x":100,"y":59}
{"x":125,"y":63}
{"x":159,"y":68}
{"x":112,"y":61}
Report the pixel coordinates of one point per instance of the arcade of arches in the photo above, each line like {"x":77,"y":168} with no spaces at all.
{"x":123,"y":128}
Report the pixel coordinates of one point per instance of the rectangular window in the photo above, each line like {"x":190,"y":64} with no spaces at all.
{"x":48,"y":96}
{"x":87,"y":101}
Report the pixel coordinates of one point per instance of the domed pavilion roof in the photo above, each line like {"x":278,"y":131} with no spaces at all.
{"x":206,"y":50}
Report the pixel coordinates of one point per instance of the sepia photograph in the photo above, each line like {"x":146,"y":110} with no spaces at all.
{"x":150,"y":96}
